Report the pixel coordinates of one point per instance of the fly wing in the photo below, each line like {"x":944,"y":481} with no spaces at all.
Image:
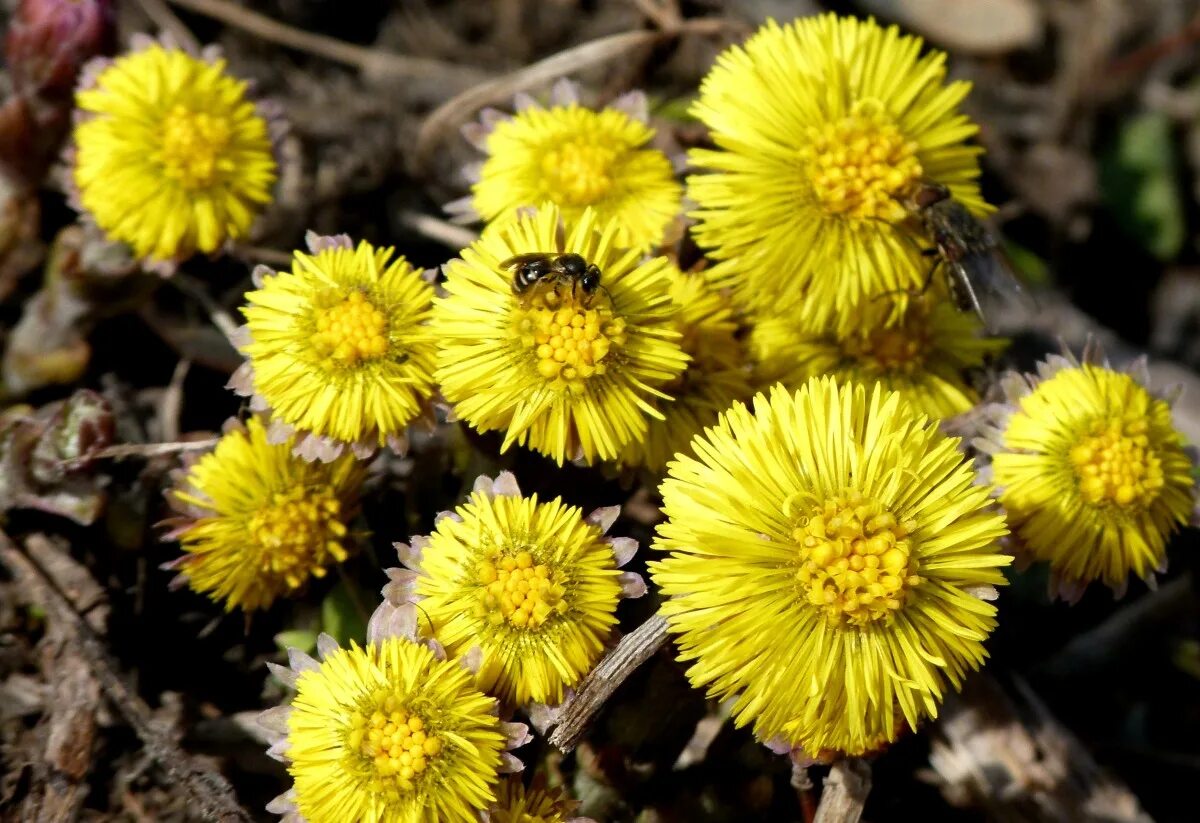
{"x":995,"y":289}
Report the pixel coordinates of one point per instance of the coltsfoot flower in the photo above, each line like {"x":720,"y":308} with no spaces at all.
{"x":1090,"y":469}
{"x":569,"y":374}
{"x":717,"y":374}
{"x":924,"y":355}
{"x":170,"y":154}
{"x":533,"y":585}
{"x":576,"y":157}
{"x":536,"y":804}
{"x":392,"y":732}
{"x":830,"y":558}
{"x":338,"y":349}
{"x":257,"y":523}
{"x":823,"y":127}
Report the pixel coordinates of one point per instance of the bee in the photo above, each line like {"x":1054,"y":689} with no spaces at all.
{"x":977,"y":271}
{"x":537,"y":267}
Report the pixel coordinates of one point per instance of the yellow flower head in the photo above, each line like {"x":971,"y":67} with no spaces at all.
{"x":171,"y":156}
{"x":338,"y":349}
{"x":924,"y":355}
{"x":256,"y":523}
{"x":387,"y":733}
{"x":829,"y":552}
{"x":716,"y":376}
{"x":537,"y":804}
{"x":1091,"y":471}
{"x":533,"y":585}
{"x":576,"y":157}
{"x":570,"y":374}
{"x":823,"y":127}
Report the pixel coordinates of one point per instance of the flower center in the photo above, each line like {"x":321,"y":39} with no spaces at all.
{"x":896,"y":349}
{"x":297,"y":531}
{"x":570,"y":337}
{"x":860,"y":165}
{"x":516,"y":590}
{"x":395,"y":743}
{"x":193,"y":147}
{"x":578,"y":173}
{"x":1115,"y":464}
{"x":352,"y":331}
{"x":856,"y":564}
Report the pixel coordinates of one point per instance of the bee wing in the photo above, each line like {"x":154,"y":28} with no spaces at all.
{"x":519,"y":259}
{"x":994,"y":289}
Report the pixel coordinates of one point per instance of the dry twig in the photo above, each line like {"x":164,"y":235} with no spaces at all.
{"x":373,"y":62}
{"x":845,"y":792}
{"x":456,"y":110}
{"x":165,"y":19}
{"x":632,"y":651}
{"x":153,"y":449}
{"x":207,"y":789}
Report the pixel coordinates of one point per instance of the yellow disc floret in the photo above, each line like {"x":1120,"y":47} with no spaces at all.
{"x":193,"y":147}
{"x":856,"y":562}
{"x":397,"y":743}
{"x":1115,"y":464}
{"x":352,"y":330}
{"x":295,"y":531}
{"x":579,"y":172}
{"x":572,"y":337}
{"x":860,"y":165}
{"x":515,"y":589}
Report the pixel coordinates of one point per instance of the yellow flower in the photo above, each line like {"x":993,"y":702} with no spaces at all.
{"x":823,"y":127}
{"x":171,"y":156}
{"x":1091,"y":472}
{"x":716,"y":376}
{"x":537,"y":804}
{"x":389,"y":733}
{"x":533,"y":585}
{"x":338,"y":349}
{"x":924,"y":355}
{"x":257,"y":523}
{"x":830,"y":554}
{"x":569,"y":374}
{"x":577,"y":157}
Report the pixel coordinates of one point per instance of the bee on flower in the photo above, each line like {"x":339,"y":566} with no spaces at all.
{"x":577,"y":158}
{"x":1090,"y":469}
{"x":532,"y":585}
{"x":824,"y":128}
{"x":925,"y":355}
{"x":829,"y":558}
{"x":256,"y":523}
{"x":390,"y":732}
{"x":338,"y":349}
{"x":170,"y":155}
{"x":570,"y":371}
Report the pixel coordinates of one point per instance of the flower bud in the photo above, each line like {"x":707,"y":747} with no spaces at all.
{"x":49,"y":40}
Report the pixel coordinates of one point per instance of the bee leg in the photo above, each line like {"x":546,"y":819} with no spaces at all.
{"x":937,"y":264}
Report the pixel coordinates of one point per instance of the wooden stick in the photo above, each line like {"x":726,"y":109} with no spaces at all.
{"x":632,"y":651}
{"x":845,"y":792}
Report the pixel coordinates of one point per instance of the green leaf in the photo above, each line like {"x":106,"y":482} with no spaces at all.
{"x":303,"y":639}
{"x":341,"y":615}
{"x":1029,"y":266}
{"x":1139,"y":176}
{"x":674,"y":109}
